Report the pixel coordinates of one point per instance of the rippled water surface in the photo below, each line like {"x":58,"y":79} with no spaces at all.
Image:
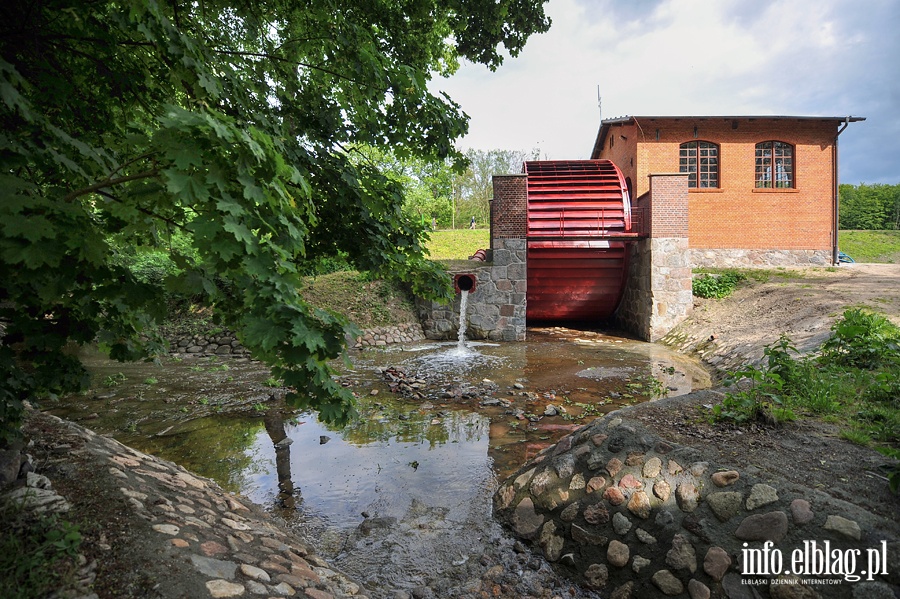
{"x":402,"y":494}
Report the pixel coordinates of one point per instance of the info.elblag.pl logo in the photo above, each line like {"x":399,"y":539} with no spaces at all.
{"x":817,"y":559}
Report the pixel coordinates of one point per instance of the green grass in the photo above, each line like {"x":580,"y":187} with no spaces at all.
{"x":367,"y":303}
{"x":871,"y":246}
{"x":854,"y":379}
{"x":37,"y":555}
{"x":457,"y":244}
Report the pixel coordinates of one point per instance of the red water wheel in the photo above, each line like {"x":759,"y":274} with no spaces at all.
{"x":579,"y":213}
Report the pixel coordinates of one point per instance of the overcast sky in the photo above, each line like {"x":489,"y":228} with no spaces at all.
{"x":695,"y":57}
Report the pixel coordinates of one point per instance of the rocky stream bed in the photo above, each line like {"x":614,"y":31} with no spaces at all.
{"x":153,"y":529}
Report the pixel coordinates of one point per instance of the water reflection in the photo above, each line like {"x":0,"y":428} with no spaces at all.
{"x":432,"y":460}
{"x":426,"y":459}
{"x":274,"y":423}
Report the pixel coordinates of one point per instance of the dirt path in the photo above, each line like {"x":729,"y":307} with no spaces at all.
{"x":802,"y":303}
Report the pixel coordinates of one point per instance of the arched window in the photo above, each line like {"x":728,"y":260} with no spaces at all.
{"x":700,"y":159}
{"x":774,"y":164}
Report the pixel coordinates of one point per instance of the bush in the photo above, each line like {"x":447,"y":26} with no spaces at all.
{"x":764,"y":392}
{"x":38,"y":555}
{"x":326,"y":265}
{"x":862,"y":340}
{"x":857,"y":376}
{"x":718,"y":285}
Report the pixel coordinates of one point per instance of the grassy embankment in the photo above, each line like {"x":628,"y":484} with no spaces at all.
{"x":871,"y":246}
{"x":375,"y":303}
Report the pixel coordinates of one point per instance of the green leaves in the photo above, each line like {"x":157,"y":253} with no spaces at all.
{"x":123,"y":122}
{"x":862,"y":339}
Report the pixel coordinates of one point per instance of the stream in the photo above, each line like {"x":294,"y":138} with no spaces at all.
{"x":401,"y":497}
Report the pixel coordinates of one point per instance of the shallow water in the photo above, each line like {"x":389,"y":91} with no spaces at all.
{"x":401,"y":496}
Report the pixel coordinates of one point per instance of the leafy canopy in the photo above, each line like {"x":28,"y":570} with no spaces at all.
{"x":226,"y":121}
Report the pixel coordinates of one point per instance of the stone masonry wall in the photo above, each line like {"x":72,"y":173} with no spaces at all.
{"x":658,"y":290}
{"x":658,"y":295}
{"x":224,"y":343}
{"x":495,"y":309}
{"x":738,"y":258}
{"x":635,"y":516}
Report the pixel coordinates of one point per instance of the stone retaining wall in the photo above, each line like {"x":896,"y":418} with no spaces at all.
{"x":495,"y":309}
{"x":224,"y":343}
{"x":381,"y":336}
{"x":633,"y":515}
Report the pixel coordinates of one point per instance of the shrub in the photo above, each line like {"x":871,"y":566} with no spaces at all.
{"x":761,"y":399}
{"x":862,"y":340}
{"x":37,"y":557}
{"x":716,"y":286}
{"x":857,"y":375}
{"x":893,"y":469}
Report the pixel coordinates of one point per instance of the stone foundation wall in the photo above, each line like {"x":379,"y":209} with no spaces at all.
{"x":225,"y":343}
{"x":657,"y":292}
{"x":740,"y":258}
{"x":495,"y":309}
{"x":222,"y":343}
{"x":632,"y":515}
{"x":381,"y":336}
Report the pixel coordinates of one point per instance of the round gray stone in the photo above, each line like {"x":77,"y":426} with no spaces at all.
{"x":621,"y":524}
{"x":716,"y":563}
{"x":617,"y":553}
{"x":525,"y":520}
{"x":645,"y":537}
{"x":843,"y":526}
{"x":639,"y":563}
{"x":761,"y":495}
{"x":698,"y":590}
{"x":596,"y":576}
{"x":666,"y":582}
{"x":801,"y":511}
{"x":682,"y":555}
{"x":725,"y":505}
{"x":763,"y":527}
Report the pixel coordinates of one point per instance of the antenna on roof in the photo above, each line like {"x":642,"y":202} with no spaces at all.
{"x":599,"y":102}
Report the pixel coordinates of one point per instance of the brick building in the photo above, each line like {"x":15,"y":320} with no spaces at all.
{"x":762,"y":190}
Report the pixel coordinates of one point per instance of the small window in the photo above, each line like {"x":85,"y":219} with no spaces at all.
{"x":774,"y":165}
{"x":700,"y":159}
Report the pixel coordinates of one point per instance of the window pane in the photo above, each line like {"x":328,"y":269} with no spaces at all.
{"x":701,"y":161}
{"x":687,"y":162}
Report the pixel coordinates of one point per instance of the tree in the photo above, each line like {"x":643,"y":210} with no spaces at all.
{"x":426,"y":183}
{"x":873,"y":207}
{"x":474,"y":188}
{"x":228,"y":121}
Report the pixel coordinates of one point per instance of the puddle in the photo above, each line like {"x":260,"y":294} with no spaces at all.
{"x":402,"y":495}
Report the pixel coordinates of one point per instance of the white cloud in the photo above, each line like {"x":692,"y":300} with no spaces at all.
{"x":668,"y":57}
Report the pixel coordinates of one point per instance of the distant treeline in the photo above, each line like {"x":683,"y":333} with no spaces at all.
{"x":873,"y":207}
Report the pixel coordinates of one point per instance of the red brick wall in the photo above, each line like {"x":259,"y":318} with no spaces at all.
{"x":668,"y":205}
{"x":737,"y":215}
{"x":509,"y":208}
